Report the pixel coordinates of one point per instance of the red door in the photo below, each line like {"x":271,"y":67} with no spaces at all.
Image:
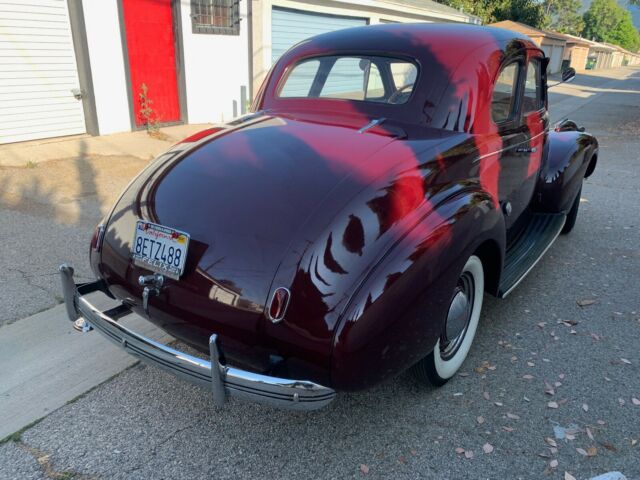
{"x":152,"y":59}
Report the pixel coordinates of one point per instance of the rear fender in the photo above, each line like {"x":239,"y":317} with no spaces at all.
{"x":570,"y":157}
{"x":394,"y":318}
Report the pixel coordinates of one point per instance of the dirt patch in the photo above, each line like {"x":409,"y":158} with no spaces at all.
{"x":68,"y":190}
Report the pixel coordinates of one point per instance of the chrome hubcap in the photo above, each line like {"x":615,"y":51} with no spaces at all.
{"x":458,"y":317}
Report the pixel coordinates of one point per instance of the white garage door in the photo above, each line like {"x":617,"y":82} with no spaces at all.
{"x":555,"y":54}
{"x":37,"y":72}
{"x":289,"y":27}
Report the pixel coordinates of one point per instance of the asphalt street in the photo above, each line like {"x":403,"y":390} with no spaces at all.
{"x":551,"y":386}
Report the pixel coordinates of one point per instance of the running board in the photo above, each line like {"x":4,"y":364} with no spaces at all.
{"x":528,"y":249}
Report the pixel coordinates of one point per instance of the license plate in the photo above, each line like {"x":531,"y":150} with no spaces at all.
{"x":160,"y":249}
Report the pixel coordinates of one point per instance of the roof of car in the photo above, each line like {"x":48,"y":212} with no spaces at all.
{"x":458,"y":64}
{"x":450,"y":43}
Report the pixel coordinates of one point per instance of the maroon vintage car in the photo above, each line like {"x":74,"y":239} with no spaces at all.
{"x":349,"y":227}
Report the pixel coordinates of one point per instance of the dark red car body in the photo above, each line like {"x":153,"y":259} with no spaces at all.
{"x":367,"y":229}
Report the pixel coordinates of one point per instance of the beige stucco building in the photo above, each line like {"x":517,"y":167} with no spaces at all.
{"x":552,"y":44}
{"x":576,"y":52}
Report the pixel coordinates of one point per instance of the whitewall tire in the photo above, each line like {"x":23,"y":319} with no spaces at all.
{"x":459,"y":328}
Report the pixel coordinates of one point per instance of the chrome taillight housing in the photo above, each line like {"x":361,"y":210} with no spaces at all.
{"x":279,"y":303}
{"x":97,"y":238}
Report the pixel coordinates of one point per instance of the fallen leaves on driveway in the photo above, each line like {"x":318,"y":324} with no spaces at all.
{"x":487,"y":448}
{"x":586,"y":302}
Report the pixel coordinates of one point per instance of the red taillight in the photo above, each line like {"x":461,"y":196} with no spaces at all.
{"x":279,"y":304}
{"x":96,"y":240}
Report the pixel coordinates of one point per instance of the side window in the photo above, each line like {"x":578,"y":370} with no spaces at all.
{"x":533,"y":88}
{"x":504,"y":93}
{"x":404,"y":75}
{"x":345,"y":80}
{"x":375,"y":87}
{"x":300,"y":80}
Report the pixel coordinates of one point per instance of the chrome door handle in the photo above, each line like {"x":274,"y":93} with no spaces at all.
{"x":526,"y":150}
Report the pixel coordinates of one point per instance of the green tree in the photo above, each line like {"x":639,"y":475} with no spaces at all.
{"x":625,"y":34}
{"x":480,"y":8}
{"x":564,"y":16}
{"x":606,"y":21}
{"x":530,"y":12}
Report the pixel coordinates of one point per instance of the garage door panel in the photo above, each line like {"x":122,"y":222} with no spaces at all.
{"x":17,"y":124}
{"x":48,"y":101}
{"x":289,"y":27}
{"x":16,"y":44}
{"x":18,"y":28}
{"x":39,"y":134}
{"x":36,"y":111}
{"x":38,"y":72}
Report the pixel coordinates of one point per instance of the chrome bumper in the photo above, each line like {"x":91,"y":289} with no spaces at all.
{"x":221,"y":379}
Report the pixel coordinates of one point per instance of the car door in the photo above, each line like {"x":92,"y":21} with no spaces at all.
{"x":506,"y":114}
{"x":535,"y":121}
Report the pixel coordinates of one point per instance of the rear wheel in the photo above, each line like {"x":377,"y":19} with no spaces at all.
{"x":572,"y":216}
{"x":459,"y":328}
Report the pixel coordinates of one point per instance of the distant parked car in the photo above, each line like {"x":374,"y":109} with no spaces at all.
{"x":348,"y":229}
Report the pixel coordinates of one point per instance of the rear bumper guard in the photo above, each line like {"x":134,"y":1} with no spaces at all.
{"x":222,"y":380}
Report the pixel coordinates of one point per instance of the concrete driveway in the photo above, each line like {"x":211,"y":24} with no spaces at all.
{"x":551,"y":388}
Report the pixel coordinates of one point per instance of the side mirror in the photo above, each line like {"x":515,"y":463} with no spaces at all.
{"x":568,"y":75}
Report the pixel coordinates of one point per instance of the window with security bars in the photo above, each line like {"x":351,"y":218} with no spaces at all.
{"x":218,"y":17}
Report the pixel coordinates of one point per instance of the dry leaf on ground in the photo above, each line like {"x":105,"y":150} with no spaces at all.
{"x":550,"y":441}
{"x":586,"y":302}
{"x":487,"y":448}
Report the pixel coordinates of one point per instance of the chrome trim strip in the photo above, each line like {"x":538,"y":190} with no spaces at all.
{"x":221,"y":379}
{"x":504,"y":295}
{"x":371,"y":124}
{"x":480,"y":157}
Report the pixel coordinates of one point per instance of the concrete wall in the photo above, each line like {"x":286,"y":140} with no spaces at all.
{"x":107,"y":65}
{"x":216,"y":67}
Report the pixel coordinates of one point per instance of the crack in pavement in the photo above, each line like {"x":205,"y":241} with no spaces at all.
{"x":43,"y":460}
{"x":155,"y":447}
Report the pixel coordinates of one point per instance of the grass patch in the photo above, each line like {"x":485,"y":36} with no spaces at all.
{"x":30,"y":164}
{"x":17,"y":436}
{"x":84,"y":394}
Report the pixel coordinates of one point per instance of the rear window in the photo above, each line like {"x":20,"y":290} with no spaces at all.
{"x":361,"y":78}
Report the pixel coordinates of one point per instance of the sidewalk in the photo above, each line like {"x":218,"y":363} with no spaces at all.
{"x":136,"y":144}
{"x":46,"y":363}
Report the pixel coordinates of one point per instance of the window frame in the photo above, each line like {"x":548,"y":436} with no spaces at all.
{"x":514,"y":114}
{"x":319,"y":81}
{"x":199,"y":28}
{"x":539,"y":85}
